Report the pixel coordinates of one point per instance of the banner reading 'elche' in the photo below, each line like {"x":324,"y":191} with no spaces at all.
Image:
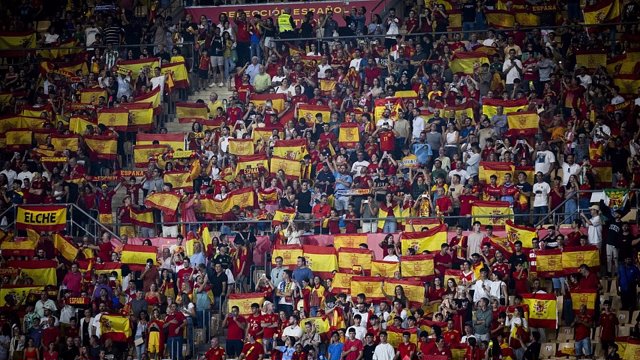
{"x":298,"y":9}
{"x":42,"y":218}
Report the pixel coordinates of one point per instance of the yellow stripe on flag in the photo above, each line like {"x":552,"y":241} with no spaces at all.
{"x":117,"y":118}
{"x":348,"y":258}
{"x":42,"y":272}
{"x":319,"y":324}
{"x":292,"y":169}
{"x":491,"y":212}
{"x":19,"y":138}
{"x":241,"y":147}
{"x":549,"y":263}
{"x":385,"y":269}
{"x":430,"y":240}
{"x":523,"y":123}
{"x":321,"y":259}
{"x":349,"y":135}
{"x":542,"y":310}
{"x":103,"y":147}
{"x":115,"y":327}
{"x":138,"y":254}
{"x":349,"y":240}
{"x":371,"y":286}
{"x":41,"y":217}
{"x":466,"y":62}
{"x":288,"y":253}
{"x":65,"y":247}
{"x":294,"y":149}
{"x":591,"y":60}
{"x":417,"y":266}
{"x":244,"y":301}
{"x":165,"y":201}
{"x":192,"y":110}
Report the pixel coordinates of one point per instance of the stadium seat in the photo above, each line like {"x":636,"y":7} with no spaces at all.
{"x":547,"y":350}
{"x":624,"y":330}
{"x":565,"y":333}
{"x":623,"y":317}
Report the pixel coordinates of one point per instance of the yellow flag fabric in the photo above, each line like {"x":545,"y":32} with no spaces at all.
{"x":500,"y":19}
{"x":587,"y":298}
{"x":413,"y":289}
{"x":65,"y":247}
{"x":348,"y":258}
{"x":349,"y":240}
{"x":117,"y":118}
{"x":520,"y":233}
{"x":179,"y":180}
{"x":491,"y":212}
{"x":600,"y":11}
{"x":466,"y":62}
{"x":174,"y":140}
{"x":527,"y":19}
{"x":349,"y":135}
{"x":154,"y":97}
{"x":369,"y":285}
{"x":417,"y":266}
{"x":321,"y":259}
{"x":78,"y":125}
{"x":115,"y":327}
{"x":142,"y":218}
{"x":135,"y":67}
{"x":143,"y":153}
{"x":591,"y":60}
{"x":430,"y":240}
{"x":251,"y":164}
{"x":192,"y":110}
{"x":19,"y":292}
{"x":62,"y":142}
{"x":631,"y":349}
{"x":294,"y":149}
{"x":542,"y":310}
{"x":164,"y":201}
{"x":628,"y":84}
{"x":288,"y":253}
{"x":321,"y":324}
{"x":499,"y":169}
{"x":309,"y":113}
{"x":17,"y":40}
{"x":264,"y":133}
{"x":385,"y":269}
{"x":179,"y":74}
{"x":573,"y":257}
{"x":342,"y":283}
{"x":42,"y":272}
{"x":19,"y":138}
{"x":244,"y":301}
{"x":327,"y":85}
{"x":549,"y":263}
{"x":91,"y":95}
{"x":25,"y":247}
{"x":394,"y":335}
{"x":102,"y":147}
{"x":140,"y":116}
{"x":292,"y":169}
{"x":241,"y":147}
{"x":41,"y":218}
{"x":214,"y":209}
{"x":524,"y":123}
{"x":138,"y":254}
{"x":277,"y":100}
{"x":490,"y":106}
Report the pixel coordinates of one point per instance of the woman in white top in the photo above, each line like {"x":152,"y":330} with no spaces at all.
{"x":498,"y":289}
{"x":451,"y":140}
{"x":286,"y":88}
{"x":376,"y":88}
{"x":223,"y":193}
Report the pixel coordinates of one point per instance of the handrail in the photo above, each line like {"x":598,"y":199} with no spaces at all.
{"x":96,"y":220}
{"x":553,"y":212}
{"x":58,"y":48}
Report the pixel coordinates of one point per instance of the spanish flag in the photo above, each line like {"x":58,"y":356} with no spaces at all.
{"x":252,"y":164}
{"x":179,"y":180}
{"x":410,"y":94}
{"x":215,"y":209}
{"x":244,"y":301}
{"x":192,"y":110}
{"x":341,"y":283}
{"x":603,"y":173}
{"x":394,"y":335}
{"x":138,"y":254}
{"x":102,"y":146}
{"x":309,"y":113}
{"x":179,"y":74}
{"x":40,"y":136}
{"x":574,"y":256}
{"x":91,"y":95}
{"x":140,"y":116}
{"x":350,"y":257}
{"x":135,"y":67}
{"x":430,"y":240}
{"x":65,"y":247}
{"x":142,"y":217}
{"x":499,"y":169}
{"x":460,"y":112}
{"x":5,"y":98}
{"x":153,"y":97}
{"x":241,"y":147}
{"x":349,"y":240}
{"x":269,"y":196}
{"x":629,"y":349}
{"x":115,"y":327}
{"x":417,"y":266}
{"x":42,"y":272}
{"x":349,"y":135}
{"x":385,"y":269}
{"x":288,"y":253}
{"x":19,"y":139}
{"x":62,"y":142}
{"x":107,"y":268}
{"x":591,"y":59}
{"x":294,"y":149}
{"x":392,"y":104}
{"x":413,"y":289}
{"x":326,"y":85}
{"x":520,"y":233}
{"x":601,"y":12}
{"x":466,"y":62}
{"x":489,"y":106}
{"x":501,"y":19}
{"x":527,"y":19}
{"x":491,"y":212}
{"x":142,"y":154}
{"x":587,"y":298}
{"x":455,"y":20}
{"x":319,"y":323}
{"x":292,"y":169}
{"x":116,"y":118}
{"x":282,"y":216}
{"x":549,"y":263}
{"x":264,"y":133}
{"x":277,"y":100}
{"x":543,"y":310}
{"x":524,"y":123}
{"x":18,"y":247}
{"x":10,"y":40}
{"x":174,"y":140}
{"x":628,"y":84}
{"x":371,"y":286}
{"x":19,"y":292}
{"x":164,"y":201}
{"x":322,"y":260}
{"x":78,"y":124}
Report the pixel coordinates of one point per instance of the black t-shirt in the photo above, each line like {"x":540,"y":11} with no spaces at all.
{"x":216,"y":281}
{"x":515,"y":259}
{"x":247,"y":237}
{"x":469,"y":11}
{"x":222,"y":259}
{"x":217,"y":47}
{"x":304,"y":202}
{"x":367,"y":352}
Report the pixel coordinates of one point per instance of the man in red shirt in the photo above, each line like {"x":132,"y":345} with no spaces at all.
{"x":406,"y":349}
{"x":582,"y":327}
{"x":215,"y":352}
{"x":451,"y":335}
{"x":254,"y":328}
{"x":251,"y":350}
{"x":270,"y":325}
{"x":174,"y":324}
{"x":352,"y":349}
{"x":442,"y":260}
{"x":236,"y":324}
{"x":589,"y":280}
{"x":73,"y":280}
{"x":608,"y":324}
{"x":440,"y":348}
{"x":387,"y":137}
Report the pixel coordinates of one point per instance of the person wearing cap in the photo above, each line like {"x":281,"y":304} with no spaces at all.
{"x":595,"y":225}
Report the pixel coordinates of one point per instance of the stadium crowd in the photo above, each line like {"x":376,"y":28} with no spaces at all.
{"x":408,"y":127}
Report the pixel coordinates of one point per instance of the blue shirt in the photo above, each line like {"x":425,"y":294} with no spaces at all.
{"x":335,"y":350}
{"x":301,"y":274}
{"x":627,"y":276}
{"x":422,"y":152}
{"x":197,"y":259}
{"x":343,"y":177}
{"x":287,"y":352}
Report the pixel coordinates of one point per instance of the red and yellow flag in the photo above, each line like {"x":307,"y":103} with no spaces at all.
{"x":466,"y":62}
{"x":348,"y":258}
{"x":524,"y":123}
{"x":542,"y":310}
{"x":601,"y":11}
{"x":341,"y":283}
{"x":385,"y":269}
{"x":310,"y":112}
{"x":288,"y":253}
{"x":587,"y":298}
{"x":78,"y":124}
{"x":17,"y":40}
{"x":501,"y":19}
{"x":292,"y":168}
{"x":42,"y":272}
{"x":327,"y":85}
{"x":369,"y":285}
{"x":241,"y":147}
{"x":277,"y":100}
{"x":490,"y":106}
{"x":107,"y":268}
{"x":349,"y":135}
{"x":215,"y":209}
{"x":294,"y":149}
{"x":527,"y":19}
{"x":392,"y":104}
{"x":92,"y":95}
{"x":252,"y":164}
{"x":322,"y":260}
{"x":18,"y":247}
{"x":520,"y":233}
{"x":574,"y":256}
{"x":319,"y":323}
{"x":179,"y":74}
{"x":116,"y":118}
{"x":192,"y":110}
{"x":174,"y":140}
{"x":549,"y":263}
{"x":244,"y":301}
{"x":135,"y":67}
{"x":603,"y":173}
{"x":491,"y":212}
{"x":164,"y":201}
{"x":41,"y":217}
{"x":19,"y":292}
{"x":268,"y":195}
{"x":142,"y":217}
{"x":102,"y":147}
{"x":430,"y":240}
{"x":138,"y":254}
{"x":349,"y":240}
{"x":65,"y":247}
{"x":179,"y":180}
{"x":394,"y":335}
{"x":591,"y":59}
{"x":153,"y":97}
{"x":628,"y":84}
{"x":460,"y":112}
{"x":264,"y":133}
{"x":19,"y":139}
{"x":61,"y":142}
{"x":142,"y":154}
{"x":115,"y":327}
{"x":499,"y":169}
{"x":413,"y":289}
{"x":140,"y":116}
{"x":417,"y":266}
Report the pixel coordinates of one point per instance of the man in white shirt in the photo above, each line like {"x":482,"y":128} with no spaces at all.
{"x":158,"y":80}
{"x":472,"y":160}
{"x":460,"y":171}
{"x":360,"y":330}
{"x":475,"y":239}
{"x":569,"y":167}
{"x":293,"y":329}
{"x":490,"y":40}
{"x":541,"y":191}
{"x":512,"y":69}
{"x":359,"y":163}
{"x":356,"y":61}
{"x":419,"y":124}
{"x":323,"y":67}
{"x":24,"y":173}
{"x":482,"y":286}
{"x":384,"y":350}
{"x":9,"y":173}
{"x":544,"y":160}
{"x":595,"y":225}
